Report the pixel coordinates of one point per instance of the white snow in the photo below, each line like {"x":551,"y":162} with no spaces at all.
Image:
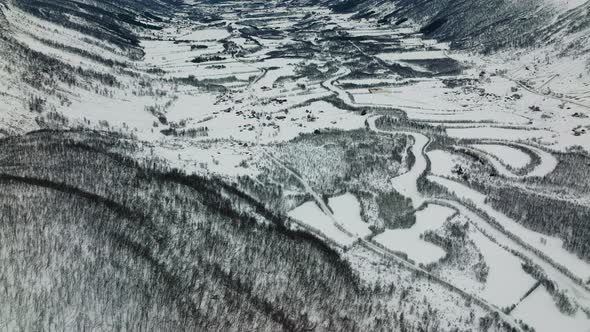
{"x":564,"y":5}
{"x":432,"y":217}
{"x":499,"y":133}
{"x":548,"y":162}
{"x":347,"y":210}
{"x":539,"y":311}
{"x":310,"y":214}
{"x":506,"y":282}
{"x":565,"y":283}
{"x":406,"y":184}
{"x":501,"y":156}
{"x":476,"y":115}
{"x":510,"y":156}
{"x":205,"y":34}
{"x":442,"y":162}
{"x":415,"y":55}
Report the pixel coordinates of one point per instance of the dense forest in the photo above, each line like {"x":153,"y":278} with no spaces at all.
{"x":110,"y":244}
{"x":553,"y":215}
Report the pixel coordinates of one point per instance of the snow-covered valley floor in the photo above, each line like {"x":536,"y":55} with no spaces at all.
{"x":222,"y":98}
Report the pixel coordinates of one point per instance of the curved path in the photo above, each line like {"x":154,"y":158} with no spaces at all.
{"x":547,"y":162}
{"x":406,"y":184}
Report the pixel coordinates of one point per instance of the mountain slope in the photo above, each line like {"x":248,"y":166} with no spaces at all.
{"x":54,"y":52}
{"x":479,"y":24}
{"x":136,"y":248}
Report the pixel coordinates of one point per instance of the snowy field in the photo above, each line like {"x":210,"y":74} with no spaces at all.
{"x":347,"y":210}
{"x":498,"y":133}
{"x":408,"y":241}
{"x":311,"y":215}
{"x":539,"y":311}
{"x":416,"y":55}
{"x":506,"y":282}
{"x":509,"y":156}
{"x":443,"y":162}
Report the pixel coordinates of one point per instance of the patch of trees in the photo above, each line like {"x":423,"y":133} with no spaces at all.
{"x":433,"y":26}
{"x":444,"y":66}
{"x":198,"y":47}
{"x":207,"y":58}
{"x":396,"y":210}
{"x":84,"y":53}
{"x":345,"y":6}
{"x":190,"y":132}
{"x":398,"y":123}
{"x":131,"y":20}
{"x":562,"y":301}
{"x":206,"y":85}
{"x":37,"y":104}
{"x":152,"y":17}
{"x":53,"y":120}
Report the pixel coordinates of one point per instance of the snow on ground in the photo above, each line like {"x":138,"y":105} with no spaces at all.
{"x":442,"y":162}
{"x":164,"y":53}
{"x":347,"y":210}
{"x":476,"y":115}
{"x":205,"y":157}
{"x":579,"y":293}
{"x":280,"y":68}
{"x":173,"y":53}
{"x":497,"y":163}
{"x":208,"y":34}
{"x":406,"y":184}
{"x":510,"y":156}
{"x":539,"y":311}
{"x":371,"y":81}
{"x":506,"y":282}
{"x":30,"y":27}
{"x":563,"y":5}
{"x":553,"y":247}
{"x":325,"y":115}
{"x":310,"y":214}
{"x":193,"y":105}
{"x":548,"y":161}
{"x":432,"y":217}
{"x":116,"y":114}
{"x":375,"y":269}
{"x":421,"y":95}
{"x":556,"y":87}
{"x":498,"y":133}
{"x":415,"y":55}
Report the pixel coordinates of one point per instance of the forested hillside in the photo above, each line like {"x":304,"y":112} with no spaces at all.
{"x":93,"y":240}
{"x":477,"y":24}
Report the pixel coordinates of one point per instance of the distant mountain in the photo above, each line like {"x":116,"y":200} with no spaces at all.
{"x":480,"y":24}
{"x":50,"y":50}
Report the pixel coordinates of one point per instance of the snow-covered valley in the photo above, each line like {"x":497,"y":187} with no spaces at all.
{"x":446,"y":188}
